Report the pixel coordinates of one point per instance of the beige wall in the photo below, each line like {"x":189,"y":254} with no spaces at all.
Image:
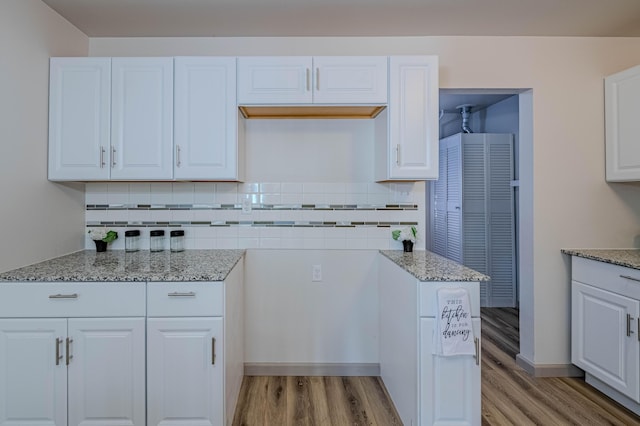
{"x":40,"y":219}
{"x":569,"y":203}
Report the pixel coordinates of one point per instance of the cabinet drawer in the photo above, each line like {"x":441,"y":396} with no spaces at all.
{"x":202,"y":299}
{"x":618,"y":279}
{"x":64,"y":300}
{"x":429,"y":291}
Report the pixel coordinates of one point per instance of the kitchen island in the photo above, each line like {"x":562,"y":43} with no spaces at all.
{"x":426,"y":388}
{"x":123,"y":338}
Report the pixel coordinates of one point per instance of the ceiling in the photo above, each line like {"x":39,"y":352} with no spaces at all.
{"x":237,"y":18}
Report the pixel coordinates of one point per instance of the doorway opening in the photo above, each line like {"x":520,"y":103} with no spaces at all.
{"x":497,"y":240}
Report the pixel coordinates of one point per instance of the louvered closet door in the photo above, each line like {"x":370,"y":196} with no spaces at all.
{"x":474,"y":181}
{"x":454,"y":200}
{"x":501,"y":241}
{"x":439,"y":206}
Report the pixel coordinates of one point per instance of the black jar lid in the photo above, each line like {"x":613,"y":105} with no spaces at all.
{"x":178,"y":233}
{"x":157,"y":233}
{"x":132,"y":233}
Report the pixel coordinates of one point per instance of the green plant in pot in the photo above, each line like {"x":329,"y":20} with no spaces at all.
{"x":407,"y":235}
{"x":101,"y":237}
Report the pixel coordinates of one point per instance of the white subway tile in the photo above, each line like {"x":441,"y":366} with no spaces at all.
{"x":204,"y":193}
{"x":248,"y":243}
{"x":270,"y":188}
{"x":270,"y":198}
{"x":291,"y":188}
{"x":249,"y":188}
{"x":161,"y":193}
{"x":314,"y":243}
{"x":313,"y":188}
{"x":356,"y":188}
{"x":139,"y":215}
{"x":335,"y":244}
{"x":182,"y":193}
{"x":292,"y":243}
{"x":227,"y":243}
{"x":118,"y":193}
{"x":334,"y":188}
{"x":140,"y":193}
{"x":291,"y":198}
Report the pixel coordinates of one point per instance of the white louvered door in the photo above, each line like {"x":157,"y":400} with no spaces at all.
{"x":500,"y":204}
{"x":473,"y":211}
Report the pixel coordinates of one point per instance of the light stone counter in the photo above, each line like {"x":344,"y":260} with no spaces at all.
{"x":428,"y":266}
{"x":116,"y":265}
{"x":629,"y":258}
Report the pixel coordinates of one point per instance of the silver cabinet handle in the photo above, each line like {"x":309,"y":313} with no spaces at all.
{"x":63,"y":296}
{"x":178,"y":163}
{"x":629,"y":319}
{"x":476,"y":343}
{"x":630,"y":278}
{"x":638,"y":329}
{"x":58,"y":344}
{"x":308,"y":79}
{"x":398,"y":154}
{"x":102,"y":152}
{"x":177,"y":294}
{"x":113,"y":156}
{"x":317,"y":78}
{"x":69,"y":356}
{"x":213,"y":351}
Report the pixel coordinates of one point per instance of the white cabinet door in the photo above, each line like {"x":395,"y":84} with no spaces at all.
{"x":274,"y":80}
{"x":449,"y":386}
{"x":318,"y":80}
{"x":206,"y":119}
{"x":185,"y":371}
{"x":622,"y":100}
{"x":604,"y":337}
{"x":106,"y":372}
{"x":79,"y":118}
{"x":33,"y":380}
{"x":350,"y":80}
{"x":142,"y":118}
{"x":412,"y":148}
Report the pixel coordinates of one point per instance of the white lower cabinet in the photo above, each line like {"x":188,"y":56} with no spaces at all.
{"x":33,"y":379}
{"x":57,"y":368}
{"x":449,"y":386}
{"x":185,"y":371}
{"x":427,"y":389}
{"x":86,"y":371}
{"x":605,"y":328}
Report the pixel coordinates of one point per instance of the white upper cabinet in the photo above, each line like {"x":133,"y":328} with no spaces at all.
{"x":622,"y":103}
{"x":142,"y":118}
{"x":79,"y":118}
{"x":409,"y":149}
{"x":317,"y":80}
{"x":206,"y":119}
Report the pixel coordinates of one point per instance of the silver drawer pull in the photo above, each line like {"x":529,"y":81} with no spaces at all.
{"x":630,"y":278}
{"x":629,"y":319}
{"x":476,"y":343}
{"x":63,"y":296}
{"x":176,"y":294}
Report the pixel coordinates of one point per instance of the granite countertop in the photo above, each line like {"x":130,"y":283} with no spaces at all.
{"x":428,"y":266}
{"x":629,"y":258}
{"x":116,"y":265}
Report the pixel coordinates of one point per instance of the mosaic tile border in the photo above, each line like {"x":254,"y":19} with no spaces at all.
{"x":276,"y":223}
{"x":324,"y":207}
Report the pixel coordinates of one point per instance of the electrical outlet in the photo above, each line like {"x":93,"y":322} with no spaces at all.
{"x":246,"y":205}
{"x":316,"y":273}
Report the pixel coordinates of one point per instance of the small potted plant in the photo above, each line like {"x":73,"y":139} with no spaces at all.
{"x":407,"y":235}
{"x":101,"y":237}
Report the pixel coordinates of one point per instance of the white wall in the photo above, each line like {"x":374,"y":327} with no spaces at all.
{"x":40,"y":219}
{"x":570,"y":203}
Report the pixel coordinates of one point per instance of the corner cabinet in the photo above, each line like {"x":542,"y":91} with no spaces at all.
{"x":427,"y":389}
{"x":72,"y":354}
{"x":621,"y":97}
{"x":605,"y":328}
{"x":312,"y":80}
{"x":406,"y":146}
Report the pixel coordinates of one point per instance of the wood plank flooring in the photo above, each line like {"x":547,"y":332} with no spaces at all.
{"x":509,"y":395}
{"x":318,"y":401}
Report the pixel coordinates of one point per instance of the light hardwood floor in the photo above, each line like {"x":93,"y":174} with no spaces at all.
{"x":509,"y":395}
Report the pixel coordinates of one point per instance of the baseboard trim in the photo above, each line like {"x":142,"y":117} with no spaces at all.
{"x":311,"y":369}
{"x":548,"y":370}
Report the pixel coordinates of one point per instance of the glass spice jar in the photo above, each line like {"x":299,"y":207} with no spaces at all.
{"x":176,"y":241}
{"x":132,"y":240}
{"x":156,"y":240}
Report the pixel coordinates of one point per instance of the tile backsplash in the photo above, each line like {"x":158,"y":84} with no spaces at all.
{"x":261,"y":214}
